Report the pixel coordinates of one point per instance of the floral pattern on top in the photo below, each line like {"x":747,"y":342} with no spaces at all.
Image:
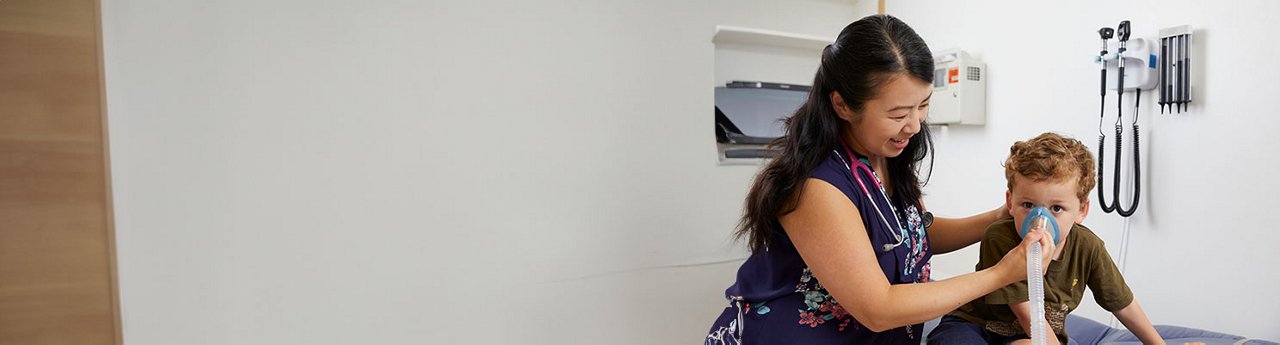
{"x":919,"y":244}
{"x":820,"y":307}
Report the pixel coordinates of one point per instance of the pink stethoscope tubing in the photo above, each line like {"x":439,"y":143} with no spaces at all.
{"x":857,"y":164}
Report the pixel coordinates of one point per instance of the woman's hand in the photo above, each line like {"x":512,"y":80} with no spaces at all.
{"x":1014,"y":263}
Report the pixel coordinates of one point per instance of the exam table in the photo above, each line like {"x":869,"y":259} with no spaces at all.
{"x":1084,"y":331}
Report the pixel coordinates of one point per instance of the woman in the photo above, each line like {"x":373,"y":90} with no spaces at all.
{"x":821,"y":226}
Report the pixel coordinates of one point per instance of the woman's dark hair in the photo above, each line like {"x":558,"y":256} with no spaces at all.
{"x":868,"y":53}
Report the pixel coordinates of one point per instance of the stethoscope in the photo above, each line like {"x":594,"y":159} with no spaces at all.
{"x":900,"y":235}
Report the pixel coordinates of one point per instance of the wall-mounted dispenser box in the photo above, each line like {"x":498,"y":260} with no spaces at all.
{"x":749,"y":116}
{"x":959,"y":90}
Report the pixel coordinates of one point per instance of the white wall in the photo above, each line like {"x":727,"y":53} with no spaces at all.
{"x":382,"y":172}
{"x":1200,"y":250}
{"x":491,"y":171}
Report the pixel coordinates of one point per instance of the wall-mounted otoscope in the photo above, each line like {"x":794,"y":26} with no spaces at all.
{"x":1106,"y":34}
{"x":1122,"y":33}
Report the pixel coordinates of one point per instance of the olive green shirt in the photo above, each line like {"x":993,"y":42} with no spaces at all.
{"x":1084,"y":262}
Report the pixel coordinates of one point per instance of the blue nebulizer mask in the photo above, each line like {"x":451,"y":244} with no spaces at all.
{"x":1040,"y":217}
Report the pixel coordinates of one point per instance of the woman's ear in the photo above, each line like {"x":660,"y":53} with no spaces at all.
{"x":842,"y":109}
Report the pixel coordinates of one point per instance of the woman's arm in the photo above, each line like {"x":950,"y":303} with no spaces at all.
{"x":950,"y":234}
{"x":1136,"y":321}
{"x":828,"y":232}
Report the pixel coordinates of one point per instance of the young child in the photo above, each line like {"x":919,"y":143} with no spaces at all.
{"x":1057,"y":173}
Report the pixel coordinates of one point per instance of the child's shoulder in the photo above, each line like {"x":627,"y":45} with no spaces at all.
{"x":1086,"y":245}
{"x":1084,"y":236}
{"x":1002,"y":230}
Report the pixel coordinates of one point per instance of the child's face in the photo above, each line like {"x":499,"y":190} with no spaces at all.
{"x":1057,"y":196}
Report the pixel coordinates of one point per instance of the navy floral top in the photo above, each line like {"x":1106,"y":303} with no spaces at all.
{"x":776,"y":300}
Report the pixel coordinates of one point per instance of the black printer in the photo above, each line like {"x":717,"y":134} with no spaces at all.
{"x":749,"y":115}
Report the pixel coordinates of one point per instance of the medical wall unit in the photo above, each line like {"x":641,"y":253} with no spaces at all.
{"x":959,"y":89}
{"x":1137,"y":65}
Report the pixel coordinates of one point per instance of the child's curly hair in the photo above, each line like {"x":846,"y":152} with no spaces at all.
{"x":1052,"y":157}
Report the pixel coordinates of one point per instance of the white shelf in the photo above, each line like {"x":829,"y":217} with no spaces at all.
{"x":741,"y":35}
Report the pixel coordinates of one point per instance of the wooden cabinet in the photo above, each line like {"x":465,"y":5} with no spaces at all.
{"x":57,"y":274}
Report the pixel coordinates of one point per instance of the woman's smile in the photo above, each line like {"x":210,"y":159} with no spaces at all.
{"x":900,"y":144}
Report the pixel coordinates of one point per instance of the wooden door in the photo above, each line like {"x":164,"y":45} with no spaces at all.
{"x":57,"y":266}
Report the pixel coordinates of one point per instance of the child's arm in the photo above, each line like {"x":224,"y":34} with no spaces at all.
{"x":1136,"y":321}
{"x":1023,"y":312}
{"x":1111,"y":292}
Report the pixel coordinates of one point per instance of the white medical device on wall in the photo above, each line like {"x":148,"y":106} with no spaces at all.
{"x":1140,"y":71}
{"x":959,"y":89}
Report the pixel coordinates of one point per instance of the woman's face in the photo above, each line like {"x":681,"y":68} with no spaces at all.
{"x":886,"y":123}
